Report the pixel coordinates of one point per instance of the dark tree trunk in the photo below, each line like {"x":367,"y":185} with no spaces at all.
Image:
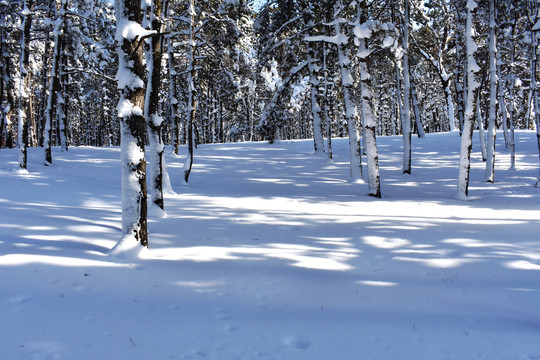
{"x":133,"y":126}
{"x":24,"y":103}
{"x":154,"y":120}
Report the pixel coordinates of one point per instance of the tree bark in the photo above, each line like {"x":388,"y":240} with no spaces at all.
{"x":151,"y":108}
{"x":468,"y":123}
{"x":24,"y":89}
{"x":130,"y":112}
{"x":534,"y":86}
{"x":54,"y":85}
{"x":192,"y":92}
{"x":355,"y":151}
{"x":416,"y":107}
{"x":318,"y":141}
{"x":406,"y":118}
{"x":368,"y":118}
{"x":492,"y":124}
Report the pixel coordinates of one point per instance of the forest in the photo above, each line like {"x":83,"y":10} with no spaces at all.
{"x":269,"y":179}
{"x":183,"y":73}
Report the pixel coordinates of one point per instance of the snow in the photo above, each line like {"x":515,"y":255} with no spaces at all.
{"x":126,"y":78}
{"x":388,"y":41}
{"x":338,"y":39}
{"x":363,"y":31}
{"x":270,"y":253}
{"x":536,"y":26}
{"x":157,"y":120}
{"x":126,"y":108}
{"x":25,"y":11}
{"x":127,"y":29}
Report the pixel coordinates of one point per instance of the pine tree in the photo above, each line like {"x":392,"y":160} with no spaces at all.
{"x":129,"y":36}
{"x":472,"y":89}
{"x":24,"y":88}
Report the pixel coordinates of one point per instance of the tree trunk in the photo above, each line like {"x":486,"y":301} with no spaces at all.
{"x":368,"y":118}
{"x":61,"y":103}
{"x":450,"y":106}
{"x":399,"y":101}
{"x":416,"y":106}
{"x":492,"y":124}
{"x":328,"y":117}
{"x":472,"y":88}
{"x":502,"y":103}
{"x":173,"y":101}
{"x":534,"y":86}
{"x":3,"y":119}
{"x":347,"y":82}
{"x":406,"y":118}
{"x":130,"y":112}
{"x":460,"y":92}
{"x":192,"y":97}
{"x":24,"y":89}
{"x":45,"y":76}
{"x":151,"y":108}
{"x":481,"y":132}
{"x":54,"y":85}
{"x":511,"y":97}
{"x":314,"y":83}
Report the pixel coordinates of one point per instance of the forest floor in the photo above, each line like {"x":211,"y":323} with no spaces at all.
{"x":270,"y":253}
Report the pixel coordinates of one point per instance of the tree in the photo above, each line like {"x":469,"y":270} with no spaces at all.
{"x":129,"y":36}
{"x":472,"y":89}
{"x":192,"y":90}
{"x":406,"y":118}
{"x":54,"y":100}
{"x":534,"y":85}
{"x":492,"y":127}
{"x":8,"y":63}
{"x":347,"y":82}
{"x":24,"y":88}
{"x":151,"y":107}
{"x":433,"y":42}
{"x":460,"y":62}
{"x":368,"y":118}
{"x":313,"y":68}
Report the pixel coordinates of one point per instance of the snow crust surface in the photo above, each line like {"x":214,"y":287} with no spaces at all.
{"x":270,"y":253}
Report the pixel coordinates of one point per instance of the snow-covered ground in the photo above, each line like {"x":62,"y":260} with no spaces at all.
{"x":270,"y":253}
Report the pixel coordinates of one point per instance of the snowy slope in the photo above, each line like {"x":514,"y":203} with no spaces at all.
{"x":270,"y":253}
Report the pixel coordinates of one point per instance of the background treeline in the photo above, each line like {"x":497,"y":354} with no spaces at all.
{"x":247,"y":58}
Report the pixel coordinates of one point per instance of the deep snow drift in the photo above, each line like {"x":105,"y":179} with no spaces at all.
{"x":270,"y":253}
